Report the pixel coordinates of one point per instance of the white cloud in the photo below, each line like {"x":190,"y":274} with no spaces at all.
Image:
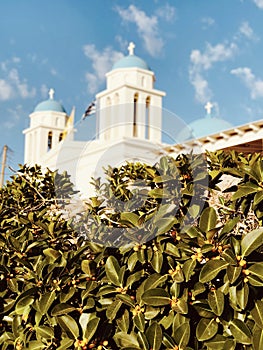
{"x":207,"y":22}
{"x":44,"y":90}
{"x":6,"y":90}
{"x":16,"y":59}
{"x":254,"y":84}
{"x":259,"y":3}
{"x":53,"y":71}
{"x":11,"y":85}
{"x":101,"y":63}
{"x":14,"y":115}
{"x":246,"y":30}
{"x":212,"y":54}
{"x":202,"y":62}
{"x":122,"y":42}
{"x":202,"y":90}
{"x":21,"y":87}
{"x":167,"y":12}
{"x":147,"y":28}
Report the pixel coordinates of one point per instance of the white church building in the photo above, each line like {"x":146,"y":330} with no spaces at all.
{"x":129,"y":127}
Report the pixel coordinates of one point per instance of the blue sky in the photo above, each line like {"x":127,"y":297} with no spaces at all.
{"x":199,"y":50}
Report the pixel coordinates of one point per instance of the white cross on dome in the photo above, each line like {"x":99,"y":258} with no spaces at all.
{"x":208,"y":107}
{"x":131,"y":48}
{"x":51,"y":94}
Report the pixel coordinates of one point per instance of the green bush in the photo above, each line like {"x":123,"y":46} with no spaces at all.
{"x":162,"y":258}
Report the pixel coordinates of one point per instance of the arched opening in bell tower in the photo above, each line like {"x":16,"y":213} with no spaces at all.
{"x":147,"y":118}
{"x":135,"y":111}
{"x":60,"y":138}
{"x":108,"y":117}
{"x":49,"y":140}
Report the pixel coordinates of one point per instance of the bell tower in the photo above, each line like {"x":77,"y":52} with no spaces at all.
{"x":47,"y":127}
{"x":130,"y":106}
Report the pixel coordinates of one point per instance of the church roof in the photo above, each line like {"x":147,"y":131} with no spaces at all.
{"x":131,"y":61}
{"x":203,"y":127}
{"x":209,"y":125}
{"x":50,"y":104}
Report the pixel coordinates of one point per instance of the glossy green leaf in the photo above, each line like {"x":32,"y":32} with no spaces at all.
{"x":245,"y":190}
{"x":45,"y":332}
{"x":154,"y":336}
{"x":36,"y":345}
{"x":112,"y":269}
{"x":257,"y":339}
{"x":66,"y":343}
{"x":52,"y":254}
{"x":62,"y":309}
{"x":69,"y":326}
{"x":143,"y":342}
{"x":164,"y":225}
{"x":216,"y":343}
{"x":194,"y":210}
{"x":85,"y":266}
{"x":216,"y":301}
{"x":211,"y":269}
{"x":257,"y":313}
{"x":124,"y":321}
{"x":45,"y":302}
{"x":181,"y":306}
{"x":91,"y":328}
{"x":112,"y":309}
{"x":130,"y":219}
{"x":256,"y":270}
{"x":124,"y":340}
{"x":126,"y":299}
{"x":155,"y":280}
{"x":182,"y":335}
{"x":240,"y":332}
{"x":168,"y":341}
{"x":156,"y":297}
{"x":230,"y":225}
{"x":208,"y":219}
{"x":251,"y":241}
{"x":151,"y":312}
{"x":206,"y":329}
{"x":139,"y":321}
{"x":24,"y":303}
{"x":233,"y":272}
{"x":258,"y":198}
{"x":189,"y":268}
{"x":229,"y":256}
{"x":157,"y":261}
{"x":242,"y":296}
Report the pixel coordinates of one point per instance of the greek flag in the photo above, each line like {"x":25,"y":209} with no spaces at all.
{"x":91,"y":109}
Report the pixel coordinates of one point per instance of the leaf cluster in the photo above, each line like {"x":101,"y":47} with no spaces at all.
{"x":151,"y":264}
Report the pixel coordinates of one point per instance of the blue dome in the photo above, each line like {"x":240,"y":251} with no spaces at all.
{"x":131,"y":61}
{"x":203,"y":127}
{"x":50,"y":105}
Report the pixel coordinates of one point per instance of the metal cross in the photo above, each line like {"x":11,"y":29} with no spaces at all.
{"x":131,"y":48}
{"x":209,"y":107}
{"x":51,"y":94}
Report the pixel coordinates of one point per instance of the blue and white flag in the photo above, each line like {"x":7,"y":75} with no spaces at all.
{"x":91,"y":109}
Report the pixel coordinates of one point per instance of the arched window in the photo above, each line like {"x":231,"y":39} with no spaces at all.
{"x":49,"y":140}
{"x":106,"y":116}
{"x":61,"y":135}
{"x":116,"y":99}
{"x":147,"y":118}
{"x":135,"y":111}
